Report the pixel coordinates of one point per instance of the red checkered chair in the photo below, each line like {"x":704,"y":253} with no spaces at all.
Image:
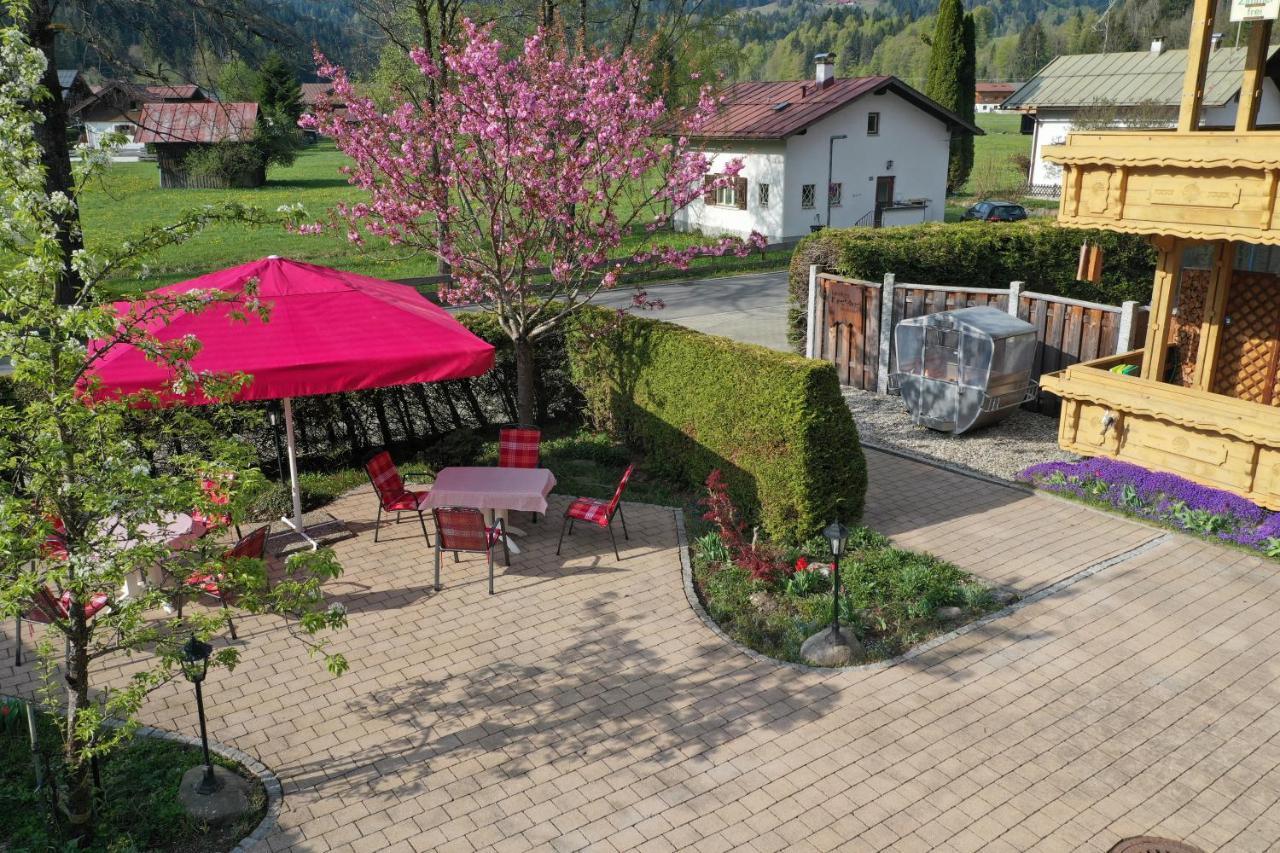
{"x":251,"y":547}
{"x":462,"y":528}
{"x":217,"y":491}
{"x":599,"y":513}
{"x":520,"y":446}
{"x":392,"y":494}
{"x":48,"y":607}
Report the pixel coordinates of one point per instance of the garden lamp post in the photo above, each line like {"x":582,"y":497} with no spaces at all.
{"x":195,"y":665}
{"x":836,"y":534}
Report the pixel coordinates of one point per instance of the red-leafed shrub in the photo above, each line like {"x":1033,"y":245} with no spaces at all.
{"x":763,"y":561}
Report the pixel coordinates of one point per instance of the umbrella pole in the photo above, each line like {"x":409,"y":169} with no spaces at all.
{"x":295,"y":488}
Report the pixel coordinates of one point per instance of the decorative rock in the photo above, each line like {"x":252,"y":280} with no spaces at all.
{"x":949,"y":614}
{"x":763,"y":602}
{"x":829,"y":647}
{"x":229,"y":802}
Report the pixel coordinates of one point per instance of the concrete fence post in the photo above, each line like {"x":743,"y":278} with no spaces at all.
{"x":1128,"y":326}
{"x":886,"y":333}
{"x":811,"y":329}
{"x":1015,"y":296}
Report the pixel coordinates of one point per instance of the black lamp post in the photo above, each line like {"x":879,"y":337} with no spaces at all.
{"x":836,"y":534}
{"x":195,"y":665}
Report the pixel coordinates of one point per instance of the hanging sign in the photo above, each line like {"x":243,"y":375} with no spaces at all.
{"x":1255,"y":10}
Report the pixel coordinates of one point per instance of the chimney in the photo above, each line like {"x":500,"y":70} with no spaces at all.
{"x":1157,"y":45}
{"x":826,"y":69}
{"x":1216,"y":40}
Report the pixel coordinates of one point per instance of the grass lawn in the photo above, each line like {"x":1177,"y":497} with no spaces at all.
{"x":129,"y":199}
{"x":140,"y":808}
{"x":994,"y":170}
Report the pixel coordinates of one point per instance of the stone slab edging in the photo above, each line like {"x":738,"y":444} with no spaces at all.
{"x":270,"y":782}
{"x":691,"y":594}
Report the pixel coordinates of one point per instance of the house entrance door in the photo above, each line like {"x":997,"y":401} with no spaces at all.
{"x":884,"y":196}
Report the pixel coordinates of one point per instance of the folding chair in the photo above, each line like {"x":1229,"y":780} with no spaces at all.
{"x":462,"y":528}
{"x":599,"y":513}
{"x":251,"y":547}
{"x":392,"y":494}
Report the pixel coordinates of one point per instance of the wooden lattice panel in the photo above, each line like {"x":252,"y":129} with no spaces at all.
{"x":1246,"y":366}
{"x":1193,"y":290}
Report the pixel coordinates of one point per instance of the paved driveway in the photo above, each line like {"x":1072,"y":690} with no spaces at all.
{"x":586,"y":706}
{"x":751,"y":308}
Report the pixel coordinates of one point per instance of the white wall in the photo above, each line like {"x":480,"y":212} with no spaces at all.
{"x":1052,"y":127}
{"x":916,"y":142}
{"x":761,"y":162}
{"x":95,"y":130}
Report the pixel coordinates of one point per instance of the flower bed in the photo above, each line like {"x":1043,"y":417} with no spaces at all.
{"x":771,"y":599}
{"x":1166,"y":499}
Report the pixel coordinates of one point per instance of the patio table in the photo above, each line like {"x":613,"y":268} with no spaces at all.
{"x":179,"y":530}
{"x":494,"y":490}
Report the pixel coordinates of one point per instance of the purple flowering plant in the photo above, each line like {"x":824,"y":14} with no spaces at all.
{"x":1164,"y":498}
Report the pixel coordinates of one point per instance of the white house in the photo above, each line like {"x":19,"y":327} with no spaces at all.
{"x":1135,"y":89}
{"x":117,"y":105}
{"x":880,"y":146}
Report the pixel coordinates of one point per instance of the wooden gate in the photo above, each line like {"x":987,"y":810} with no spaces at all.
{"x":852,"y":329}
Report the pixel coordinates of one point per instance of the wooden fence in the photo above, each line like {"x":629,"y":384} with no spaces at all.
{"x":851,"y":323}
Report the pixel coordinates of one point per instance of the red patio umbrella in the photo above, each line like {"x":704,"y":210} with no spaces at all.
{"x":327,"y":331}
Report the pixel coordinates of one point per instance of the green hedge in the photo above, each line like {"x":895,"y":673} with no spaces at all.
{"x":976,"y":254}
{"x":773,"y":423}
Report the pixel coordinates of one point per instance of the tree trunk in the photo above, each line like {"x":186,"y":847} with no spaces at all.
{"x":526,"y":380}
{"x":55,"y":155}
{"x":77,"y":802}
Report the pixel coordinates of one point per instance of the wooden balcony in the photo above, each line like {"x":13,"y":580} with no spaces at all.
{"x":1212,"y":439}
{"x":1196,"y":186}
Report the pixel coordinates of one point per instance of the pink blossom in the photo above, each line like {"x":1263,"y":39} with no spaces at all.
{"x":527,"y":161}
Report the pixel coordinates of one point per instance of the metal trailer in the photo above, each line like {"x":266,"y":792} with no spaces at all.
{"x":959,"y":370}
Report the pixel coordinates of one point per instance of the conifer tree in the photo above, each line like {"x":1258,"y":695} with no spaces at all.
{"x":951,"y":75}
{"x":278,"y":92}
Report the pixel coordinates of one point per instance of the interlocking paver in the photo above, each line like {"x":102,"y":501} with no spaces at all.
{"x":586,"y":707}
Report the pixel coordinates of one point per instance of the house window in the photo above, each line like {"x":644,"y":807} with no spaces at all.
{"x":835,"y":192}
{"x":762,"y":193}
{"x":873,"y":124}
{"x":808,"y":196}
{"x":727,"y":196}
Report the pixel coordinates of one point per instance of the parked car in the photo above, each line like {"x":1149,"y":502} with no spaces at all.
{"x":996,"y":211}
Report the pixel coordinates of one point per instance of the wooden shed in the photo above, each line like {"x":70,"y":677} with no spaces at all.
{"x":176,"y":129}
{"x":1202,"y":400}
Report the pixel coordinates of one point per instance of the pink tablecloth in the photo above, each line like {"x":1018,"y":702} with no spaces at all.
{"x":523,"y":489}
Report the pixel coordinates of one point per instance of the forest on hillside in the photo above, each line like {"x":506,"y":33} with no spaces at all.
{"x":736,"y":39}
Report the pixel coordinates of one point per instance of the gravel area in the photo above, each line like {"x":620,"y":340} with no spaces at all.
{"x":1000,"y":450}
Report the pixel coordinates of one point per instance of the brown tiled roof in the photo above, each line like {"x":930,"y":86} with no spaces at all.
{"x":314,"y":93}
{"x":194,"y":121}
{"x":755,"y":110}
{"x":996,"y":88}
{"x":180,"y":92}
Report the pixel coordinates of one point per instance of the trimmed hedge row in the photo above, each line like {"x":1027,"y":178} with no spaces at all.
{"x":775,"y":424}
{"x":976,"y":254}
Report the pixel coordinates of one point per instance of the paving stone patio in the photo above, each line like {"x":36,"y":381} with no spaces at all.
{"x":585,"y":706}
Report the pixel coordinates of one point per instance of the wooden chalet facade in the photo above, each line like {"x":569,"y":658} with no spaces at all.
{"x":1204,"y":402}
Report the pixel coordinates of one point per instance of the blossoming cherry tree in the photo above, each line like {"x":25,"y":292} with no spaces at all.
{"x":557,"y":171}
